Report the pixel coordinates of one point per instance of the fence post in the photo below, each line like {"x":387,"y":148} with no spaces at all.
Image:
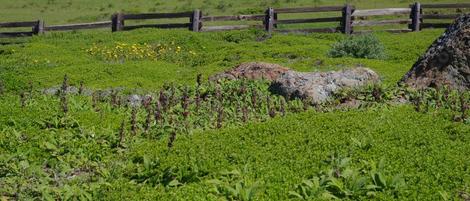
{"x":346,"y":21}
{"x":117,"y":22}
{"x":275,"y":20}
{"x":415,"y":17}
{"x":269,"y":20}
{"x":195,"y":21}
{"x":38,"y":28}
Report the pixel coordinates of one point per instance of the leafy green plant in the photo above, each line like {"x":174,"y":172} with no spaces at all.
{"x":382,"y":182}
{"x":362,"y":46}
{"x":235,"y":185}
{"x":364,"y":143}
{"x":148,"y":170}
{"x":341,"y":181}
{"x":311,"y":189}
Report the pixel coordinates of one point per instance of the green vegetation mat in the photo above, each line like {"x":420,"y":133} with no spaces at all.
{"x":45,"y":60}
{"x":44,"y":157}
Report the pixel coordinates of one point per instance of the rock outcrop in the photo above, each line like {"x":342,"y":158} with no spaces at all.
{"x":319,"y":86}
{"x":446,"y":62}
{"x":252,"y":71}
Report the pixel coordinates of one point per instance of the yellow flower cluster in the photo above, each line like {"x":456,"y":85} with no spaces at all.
{"x":124,"y":51}
{"x":41,"y":61}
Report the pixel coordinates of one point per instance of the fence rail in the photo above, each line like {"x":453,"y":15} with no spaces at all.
{"x":147,"y":16}
{"x":230,"y":27}
{"x":380,"y":12}
{"x":18,"y":24}
{"x":68,"y":27}
{"x":366,"y":23}
{"x":37,"y":27}
{"x":439,"y":16}
{"x":453,"y":5}
{"x":422,"y":18}
{"x":309,"y":10}
{"x":206,"y":19}
{"x":161,"y":26}
{"x":311,"y":30}
{"x":348,"y":19}
{"x":15,"y":34}
{"x":232,"y":18}
{"x":312,"y":20}
{"x":340,"y":10}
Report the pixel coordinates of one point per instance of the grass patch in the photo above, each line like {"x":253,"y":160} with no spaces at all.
{"x":45,"y":60}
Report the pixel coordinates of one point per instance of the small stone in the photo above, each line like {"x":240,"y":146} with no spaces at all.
{"x":134,"y":100}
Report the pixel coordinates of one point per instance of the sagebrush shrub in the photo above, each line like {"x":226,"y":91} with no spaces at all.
{"x":361,"y":46}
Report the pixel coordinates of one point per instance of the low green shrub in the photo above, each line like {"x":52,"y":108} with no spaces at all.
{"x":340,"y":181}
{"x":362,"y":46}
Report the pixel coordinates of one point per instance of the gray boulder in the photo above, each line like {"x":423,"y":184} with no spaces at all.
{"x":319,"y":86}
{"x":252,"y":71}
{"x":446,"y":62}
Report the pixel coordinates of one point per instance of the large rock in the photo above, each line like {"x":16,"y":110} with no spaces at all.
{"x":319,"y":86}
{"x":252,"y":71}
{"x":446,"y":62}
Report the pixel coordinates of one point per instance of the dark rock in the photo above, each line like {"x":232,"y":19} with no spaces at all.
{"x":252,"y":71}
{"x":319,"y":86}
{"x":446,"y":62}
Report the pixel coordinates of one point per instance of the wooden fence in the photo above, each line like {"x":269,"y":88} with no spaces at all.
{"x":423,"y":24}
{"x":348,"y":18}
{"x":68,"y":27}
{"x":118,"y":20}
{"x":206,"y":19}
{"x":37,"y":27}
{"x":343,"y":26}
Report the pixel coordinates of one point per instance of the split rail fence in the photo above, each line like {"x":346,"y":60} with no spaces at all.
{"x":347,"y":17}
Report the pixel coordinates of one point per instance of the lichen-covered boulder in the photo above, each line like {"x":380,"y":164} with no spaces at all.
{"x":320,"y":86}
{"x":252,"y":71}
{"x":446,"y":62}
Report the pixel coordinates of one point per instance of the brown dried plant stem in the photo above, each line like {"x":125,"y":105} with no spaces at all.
{"x":122,"y":133}
{"x":463,"y":106}
{"x":283,"y":107}
{"x":148,"y":120}
{"x":271,"y":110}
{"x":23,"y":99}
{"x":158,"y":113}
{"x":134,"y":121}
{"x":220,"y":116}
{"x":172,"y":139}
{"x":63,"y":95}
{"x":2,"y":88}
{"x":94,"y":101}
{"x":81,"y":88}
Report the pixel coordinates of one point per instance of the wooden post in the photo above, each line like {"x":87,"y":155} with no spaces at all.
{"x":38,"y":28}
{"x":117,"y":22}
{"x":346,"y":20}
{"x":415,"y":17}
{"x":275,"y":20}
{"x":269,"y":20}
{"x":195,"y":21}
